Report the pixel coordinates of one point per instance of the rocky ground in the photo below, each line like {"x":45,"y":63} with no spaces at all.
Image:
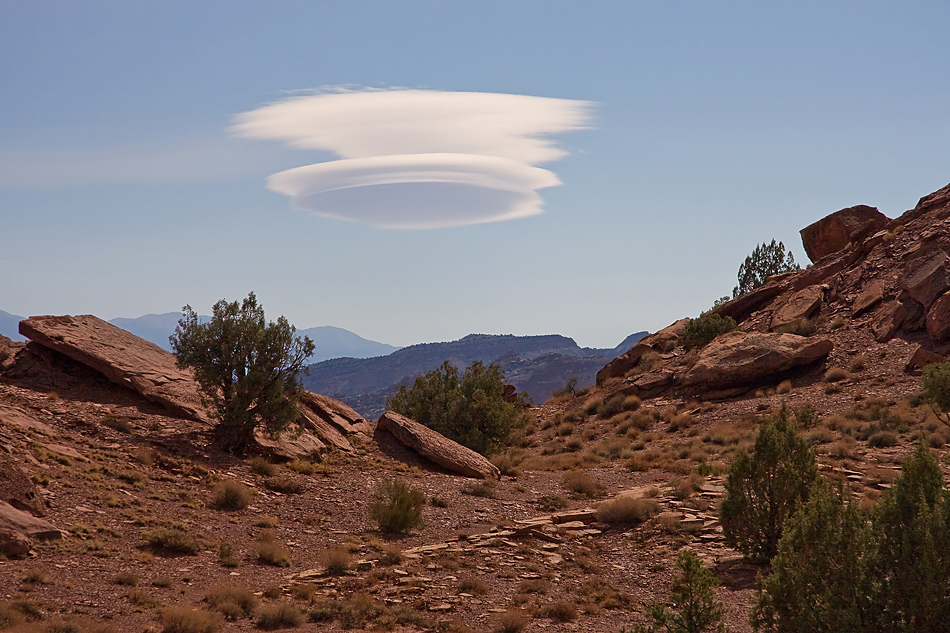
{"x":128,"y":483}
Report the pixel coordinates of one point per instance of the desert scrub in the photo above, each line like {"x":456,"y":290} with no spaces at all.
{"x":627,"y":510}
{"x":511,"y":621}
{"x":302,"y":466}
{"x":279,"y":616}
{"x":270,"y":551}
{"x":231,"y":495}
{"x":581,"y":484}
{"x":836,"y":374}
{"x":226,"y":555}
{"x":336,"y":561}
{"x":171,"y":541}
{"x":232,"y":601}
{"x":283,"y":484}
{"x":187,"y":620}
{"x":472,"y":585}
{"x":699,"y":332}
{"x":396,"y":506}
{"x":484,"y":489}
{"x":262,"y":467}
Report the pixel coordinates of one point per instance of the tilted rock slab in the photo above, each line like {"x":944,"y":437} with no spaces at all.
{"x":27,"y":524}
{"x":656,"y":342}
{"x":833,"y":232}
{"x":437,"y":448}
{"x":17,"y":489}
{"x":797,"y":309}
{"x":122,"y":357}
{"x":739,"y":359}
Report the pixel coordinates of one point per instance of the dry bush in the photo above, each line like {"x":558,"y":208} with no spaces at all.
{"x":597,"y":593}
{"x":231,"y":495}
{"x":187,"y":620}
{"x":396,"y":506}
{"x":820,"y":435}
{"x":859,"y":363}
{"x":507,"y":464}
{"x":832,"y":389}
{"x":172,"y":541}
{"x":627,"y":510}
{"x":126,"y":578}
{"x":283,"y":484}
{"x":511,"y":621}
{"x":686,"y":487}
{"x":784,"y":387}
{"x":681,"y":421}
{"x":472,"y":585}
{"x":232,"y":601}
{"x":562,"y":611}
{"x":484,"y":489}
{"x":270,"y":551}
{"x":279,"y":616}
{"x":581,"y":484}
{"x":836,"y":322}
{"x":883,"y":439}
{"x":564,"y":429}
{"x":120,"y":423}
{"x":593,"y":405}
{"x":337,"y":561}
{"x":226,"y":555}
{"x":261,"y":466}
{"x":266,"y":521}
{"x":302,"y":466}
{"x":842,"y":449}
{"x":438,"y":502}
{"x":835,"y":374}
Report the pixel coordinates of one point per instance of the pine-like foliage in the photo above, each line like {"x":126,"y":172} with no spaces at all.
{"x":766,"y":260}
{"x":764,"y":488}
{"x":693,"y":606}
{"x":246,"y":368}
{"x":701,"y":331}
{"x":935,"y":385}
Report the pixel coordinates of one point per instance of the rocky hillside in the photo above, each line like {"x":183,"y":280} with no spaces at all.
{"x":536,"y":364}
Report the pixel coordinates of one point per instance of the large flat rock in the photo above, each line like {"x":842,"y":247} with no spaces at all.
{"x":122,"y":357}
{"x":739,"y":359}
{"x":25,"y":523}
{"x":833,"y":232}
{"x":437,"y":448}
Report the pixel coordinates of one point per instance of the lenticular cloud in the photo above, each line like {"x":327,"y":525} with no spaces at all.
{"x":418,"y":159}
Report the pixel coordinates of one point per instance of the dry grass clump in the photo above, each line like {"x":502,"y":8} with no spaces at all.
{"x":883,"y":439}
{"x":537,"y":586}
{"x":232,"y":601}
{"x":14,"y":612}
{"x":120,"y":423}
{"x":262,"y":467}
{"x":226,"y":555}
{"x":564,"y":429}
{"x":473,"y":586}
{"x":126,"y":578}
{"x":231,"y":495}
{"x":596,"y":594}
{"x":562,"y":611}
{"x":627,"y":510}
{"x":686,"y":487}
{"x":681,"y":422}
{"x":270,"y":551}
{"x":581,"y":484}
{"x":361,"y":611}
{"x":188,"y":620}
{"x":507,"y":463}
{"x":302,"y":466}
{"x":279,"y":616}
{"x":266,"y":521}
{"x":283,"y":484}
{"x":485,"y":489}
{"x":836,"y":374}
{"x":337,"y":561}
{"x":511,"y":621}
{"x":171,"y":541}
{"x":396,"y":506}
{"x":784,"y":387}
{"x":859,"y":363}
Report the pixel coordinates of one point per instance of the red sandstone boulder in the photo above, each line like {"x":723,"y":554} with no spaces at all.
{"x":938,"y":318}
{"x":14,"y":544}
{"x":17,"y":489}
{"x":832,"y":233}
{"x":437,"y":448}
{"x":27,"y":524}
{"x":870,"y":296}
{"x":656,"y":342}
{"x":742,"y":359}
{"x":920,"y":359}
{"x":794,"y":311}
{"x":926,"y":278}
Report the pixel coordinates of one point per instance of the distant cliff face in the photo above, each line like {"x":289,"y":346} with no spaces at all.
{"x":536,"y":364}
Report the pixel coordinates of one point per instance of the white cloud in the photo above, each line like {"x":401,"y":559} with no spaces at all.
{"x":416,"y":159}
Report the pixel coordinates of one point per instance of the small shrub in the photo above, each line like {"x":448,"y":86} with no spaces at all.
{"x":172,"y":541}
{"x":581,"y":484}
{"x":226,"y":555}
{"x":835,"y":374}
{"x":438,"y":502}
{"x":119,"y":423}
{"x":279,"y":616}
{"x":472,"y":585}
{"x":337,"y":561}
{"x":681,"y":421}
{"x":263,"y":467}
{"x":511,"y":621}
{"x":693,"y":598}
{"x":859,"y":363}
{"x":302,"y":466}
{"x":562,"y":611}
{"x":627,"y":510}
{"x":126,"y":578}
{"x":396,"y":506}
{"x":883,"y":439}
{"x":484,"y":489}
{"x":231,"y":495}
{"x":267,"y":521}
{"x":270,"y":551}
{"x":232,"y":601}
{"x":701,"y":331}
{"x":283,"y":484}
{"x":784,"y":387}
{"x":552,"y":503}
{"x":186,"y":620}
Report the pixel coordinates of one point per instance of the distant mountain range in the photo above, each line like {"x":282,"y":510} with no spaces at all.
{"x":536,"y":364}
{"x":331,"y":342}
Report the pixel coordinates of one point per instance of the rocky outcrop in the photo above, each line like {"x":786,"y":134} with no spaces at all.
{"x":8,"y":349}
{"x":122,"y":357}
{"x":927,"y":277}
{"x":938,"y":318}
{"x":921,"y":358}
{"x":742,"y":359}
{"x":290,"y":445}
{"x":436,"y":447}
{"x":870,"y":296}
{"x":832,"y":233}
{"x":17,"y":489}
{"x":797,"y":309}
{"x":14,"y":544}
{"x":656,"y":342}
{"x":25,"y":523}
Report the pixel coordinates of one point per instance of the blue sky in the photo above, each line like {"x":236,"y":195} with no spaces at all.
{"x":126,"y":189}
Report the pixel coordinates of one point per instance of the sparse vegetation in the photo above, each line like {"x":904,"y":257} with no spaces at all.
{"x":627,"y":510}
{"x":231,"y":496}
{"x":246,"y":368}
{"x":835,"y":374}
{"x":188,"y":620}
{"x":284,"y":485}
{"x":270,"y":551}
{"x":470,"y":409}
{"x":337,"y":561}
{"x":701,"y":331}
{"x":935,"y":385}
{"x":693,"y":601}
{"x":581,"y":484}
{"x":766,"y":260}
{"x":232,"y":601}
{"x":172,"y":541}
{"x":396,"y":506}
{"x":279,"y":616}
